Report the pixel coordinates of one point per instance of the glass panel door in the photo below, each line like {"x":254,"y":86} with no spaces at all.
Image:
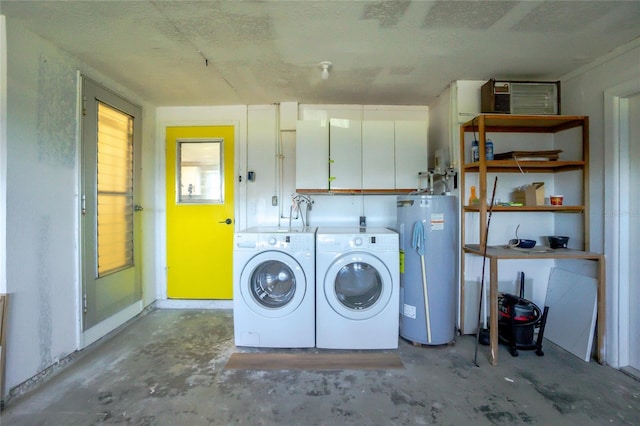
{"x":111,"y":138}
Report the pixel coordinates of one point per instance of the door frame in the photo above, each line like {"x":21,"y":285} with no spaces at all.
{"x":102,"y":328}
{"x":616,"y":227}
{"x":240,"y":160}
{"x":3,"y":156}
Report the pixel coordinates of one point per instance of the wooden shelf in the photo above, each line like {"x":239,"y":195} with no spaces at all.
{"x":512,"y":166}
{"x":503,"y":123}
{"x":505,"y":252}
{"x":516,"y":209}
{"x":480,"y":126}
{"x":525,"y":123}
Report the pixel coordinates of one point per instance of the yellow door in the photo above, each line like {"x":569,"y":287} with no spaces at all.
{"x":200,"y":212}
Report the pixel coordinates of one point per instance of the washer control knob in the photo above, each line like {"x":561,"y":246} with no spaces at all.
{"x":357,"y":241}
{"x":272,"y":241}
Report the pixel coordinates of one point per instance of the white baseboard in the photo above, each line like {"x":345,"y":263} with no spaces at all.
{"x":105,"y":327}
{"x":193,"y":304}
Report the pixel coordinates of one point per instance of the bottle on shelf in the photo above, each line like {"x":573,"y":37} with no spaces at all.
{"x":475,"y":155}
{"x":473,"y":198}
{"x":489,"y":150}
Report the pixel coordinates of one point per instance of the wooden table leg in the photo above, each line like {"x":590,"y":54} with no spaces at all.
{"x":493,"y":310}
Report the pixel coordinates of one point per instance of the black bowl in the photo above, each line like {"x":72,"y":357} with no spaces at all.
{"x":556,"y":242}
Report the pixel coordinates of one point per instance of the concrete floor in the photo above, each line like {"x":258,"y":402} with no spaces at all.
{"x":167,"y":368}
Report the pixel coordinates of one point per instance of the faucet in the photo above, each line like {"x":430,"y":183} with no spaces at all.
{"x":442,"y":178}
{"x":296,"y":201}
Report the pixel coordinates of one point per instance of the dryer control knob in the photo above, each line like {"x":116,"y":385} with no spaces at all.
{"x":357,"y":241}
{"x":272,"y":241}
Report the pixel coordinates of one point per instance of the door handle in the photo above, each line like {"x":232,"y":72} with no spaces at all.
{"x":228,"y":221}
{"x":137,"y":208}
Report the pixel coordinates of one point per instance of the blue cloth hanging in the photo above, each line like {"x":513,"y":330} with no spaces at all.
{"x":419,"y":237}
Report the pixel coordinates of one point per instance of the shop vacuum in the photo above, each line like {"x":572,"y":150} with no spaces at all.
{"x":517,"y":321}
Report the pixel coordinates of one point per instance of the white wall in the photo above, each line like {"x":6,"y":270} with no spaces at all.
{"x":42,"y":203}
{"x":441,"y":128}
{"x":583,"y":93}
{"x":457,"y":104}
{"x":262,"y":159}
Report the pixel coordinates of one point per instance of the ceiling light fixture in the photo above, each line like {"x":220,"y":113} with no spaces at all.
{"x":326,"y":66}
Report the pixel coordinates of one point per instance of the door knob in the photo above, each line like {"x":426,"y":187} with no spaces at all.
{"x":137,"y":208}
{"x":228,"y":221}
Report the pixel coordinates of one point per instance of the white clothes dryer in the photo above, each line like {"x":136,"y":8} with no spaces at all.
{"x":274,"y":287}
{"x":357,"y":288}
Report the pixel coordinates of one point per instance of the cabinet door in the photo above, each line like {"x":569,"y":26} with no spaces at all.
{"x":410,"y":152}
{"x":378,"y":153}
{"x":312,"y":155}
{"x":345,"y":153}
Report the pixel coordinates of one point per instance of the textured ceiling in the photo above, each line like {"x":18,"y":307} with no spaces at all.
{"x":383,"y":52}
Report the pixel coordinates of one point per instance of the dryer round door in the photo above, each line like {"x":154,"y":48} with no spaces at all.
{"x":358,"y":285}
{"x":273,"y":284}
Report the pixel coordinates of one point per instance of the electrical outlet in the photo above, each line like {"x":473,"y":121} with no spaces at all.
{"x":274,"y":200}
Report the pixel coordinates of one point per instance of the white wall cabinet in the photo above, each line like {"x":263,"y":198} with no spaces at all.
{"x":312,"y":155}
{"x":354,"y":156}
{"x":378,"y":152}
{"x":345,"y":154}
{"x":410,"y":153}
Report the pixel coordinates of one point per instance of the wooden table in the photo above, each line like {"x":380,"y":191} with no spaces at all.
{"x":496,"y":253}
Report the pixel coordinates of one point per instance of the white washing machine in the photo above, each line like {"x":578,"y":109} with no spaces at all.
{"x":357,"y":288}
{"x":274,"y":287}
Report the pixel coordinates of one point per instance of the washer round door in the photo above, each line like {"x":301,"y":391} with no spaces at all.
{"x":273,"y":284}
{"x":358,"y":285}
